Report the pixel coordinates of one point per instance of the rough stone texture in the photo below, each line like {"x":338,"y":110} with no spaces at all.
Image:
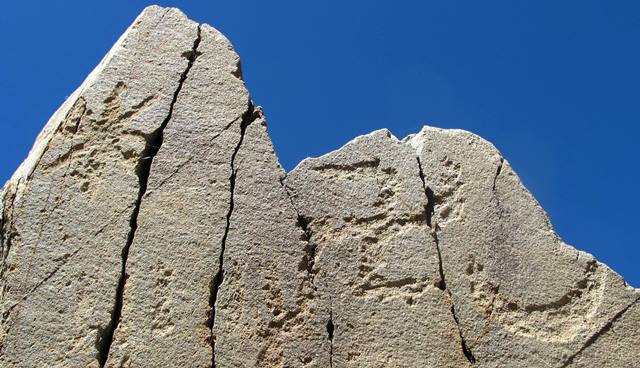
{"x":267,"y":312}
{"x":152,"y":225}
{"x":523,"y":298}
{"x":173,"y":257}
{"x":375,"y":259}
{"x":616,"y":344}
{"x":67,"y":209}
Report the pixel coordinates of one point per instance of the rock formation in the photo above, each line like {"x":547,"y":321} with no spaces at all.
{"x":152,"y":225}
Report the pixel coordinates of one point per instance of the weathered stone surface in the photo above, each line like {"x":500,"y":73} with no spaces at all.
{"x":376,"y":262}
{"x":173,"y":256}
{"x":523,"y":298}
{"x":615,"y":344}
{"x":267,"y":311}
{"x":67,"y":209}
{"x":152,"y":225}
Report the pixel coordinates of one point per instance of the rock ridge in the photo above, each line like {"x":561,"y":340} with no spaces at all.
{"x":153,"y":225}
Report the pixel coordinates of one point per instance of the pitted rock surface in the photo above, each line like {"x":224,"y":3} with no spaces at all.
{"x":152,"y":225}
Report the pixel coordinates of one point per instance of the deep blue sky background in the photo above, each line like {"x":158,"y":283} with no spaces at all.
{"x":554,"y":85}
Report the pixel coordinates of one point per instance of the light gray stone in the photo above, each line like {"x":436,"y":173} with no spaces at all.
{"x":173,"y":254}
{"x":267,"y":312}
{"x":192,"y":276}
{"x":67,"y":208}
{"x":615,"y":344}
{"x":523,"y":298}
{"x":376,"y":262}
{"x":152,"y":225}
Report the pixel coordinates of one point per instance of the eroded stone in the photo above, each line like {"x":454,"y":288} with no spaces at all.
{"x":376,"y":261}
{"x":523,"y":298}
{"x":152,"y":225}
{"x":70,"y":203}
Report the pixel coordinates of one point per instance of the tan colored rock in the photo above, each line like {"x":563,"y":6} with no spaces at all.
{"x":204,"y":281}
{"x":375,"y":258}
{"x":614,"y":345}
{"x":523,"y":298}
{"x":268,"y":309}
{"x":173,"y":255}
{"x":156,"y":291}
{"x":152,"y":225}
{"x":67,"y":209}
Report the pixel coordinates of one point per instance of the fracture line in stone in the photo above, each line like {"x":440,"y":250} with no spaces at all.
{"x":607,"y":326}
{"x":247,"y":118}
{"x":495,"y":178}
{"x":330,"y":331}
{"x":176,"y":170}
{"x":442,"y":284}
{"x":65,"y":259}
{"x":6,"y":221}
{"x":303,"y":222}
{"x":143,"y":170}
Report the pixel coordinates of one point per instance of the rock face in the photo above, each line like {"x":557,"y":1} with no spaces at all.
{"x":152,"y":225}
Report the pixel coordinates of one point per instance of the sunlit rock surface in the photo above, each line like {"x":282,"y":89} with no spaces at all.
{"x":152,"y":225}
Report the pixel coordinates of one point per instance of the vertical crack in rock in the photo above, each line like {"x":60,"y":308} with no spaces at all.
{"x":442,"y":284}
{"x":143,"y":170}
{"x":495,"y":178}
{"x":7,"y":230}
{"x":330,"y":330}
{"x":7,"y":233}
{"x":188,"y":160}
{"x":310,"y":248}
{"x":248,"y":117}
{"x":593,"y":338}
{"x":496,"y":197}
{"x":429,"y":210}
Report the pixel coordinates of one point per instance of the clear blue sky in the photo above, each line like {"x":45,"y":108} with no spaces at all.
{"x":555,"y":85}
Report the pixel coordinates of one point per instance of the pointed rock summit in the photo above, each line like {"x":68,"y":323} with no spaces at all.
{"x":152,"y":225}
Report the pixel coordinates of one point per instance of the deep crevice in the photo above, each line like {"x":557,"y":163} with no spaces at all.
{"x":247,"y":118}
{"x":604,"y":329}
{"x":143,"y":170}
{"x":308,"y":261}
{"x":303,"y":222}
{"x":442,"y":284}
{"x":330,"y":330}
{"x":465,"y":349}
{"x":310,"y":248}
{"x":498,"y":171}
{"x":429,"y":208}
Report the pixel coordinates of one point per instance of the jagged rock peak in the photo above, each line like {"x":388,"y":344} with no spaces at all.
{"x":152,"y":225}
